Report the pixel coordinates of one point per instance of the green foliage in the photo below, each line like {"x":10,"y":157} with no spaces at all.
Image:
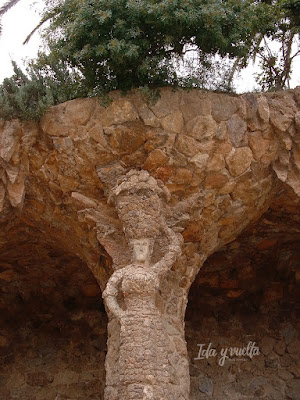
{"x":95,"y":46}
{"x":28,"y":96}
{"x":21,"y":97}
{"x":121,"y":44}
{"x":291,"y":9}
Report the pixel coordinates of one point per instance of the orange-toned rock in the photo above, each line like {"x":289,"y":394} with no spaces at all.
{"x":127,"y":138}
{"x":10,"y":133}
{"x":224,"y":148}
{"x":68,"y":208}
{"x":267,"y":244}
{"x":202,"y":127}
{"x":234,"y":294}
{"x":156,"y":158}
{"x":118,"y":112}
{"x":7,"y":275}
{"x":226,"y":221}
{"x":84,"y":200}
{"x":3,"y":341}
{"x":226,"y":283}
{"x":223,"y":106}
{"x":239,"y":161}
{"x":297,"y":119}
{"x":211,"y":280}
{"x":215,"y":180}
{"x":282,"y":112}
{"x":67,"y":183}
{"x":273,"y":293}
{"x":228,"y":188}
{"x":12,"y":172}
{"x":194,"y":232}
{"x":53,"y":124}
{"x":90,"y":290}
{"x":280,"y":121}
{"x":167,"y":103}
{"x":2,"y":196}
{"x":164,"y":173}
{"x":147,"y":115}
{"x":187,"y":145}
{"x":176,"y":189}
{"x":97,"y":133}
{"x":216,"y":162}
{"x":263,"y":108}
{"x":173,"y":122}
{"x":182,"y":176}
{"x":16,"y":190}
{"x":194,"y":103}
{"x":258,"y":144}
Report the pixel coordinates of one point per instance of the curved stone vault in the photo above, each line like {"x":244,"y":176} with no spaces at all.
{"x":190,"y":172}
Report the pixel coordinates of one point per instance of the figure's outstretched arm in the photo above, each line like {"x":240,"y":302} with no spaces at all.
{"x":111,"y":292}
{"x":174,"y":250}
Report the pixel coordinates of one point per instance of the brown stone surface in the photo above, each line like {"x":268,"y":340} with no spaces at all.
{"x":215,"y":180}
{"x":223,"y":159}
{"x":156,"y":159}
{"x":237,"y":128}
{"x":263,"y":261}
{"x":258,"y":144}
{"x":239,"y":161}
{"x":53,"y":337}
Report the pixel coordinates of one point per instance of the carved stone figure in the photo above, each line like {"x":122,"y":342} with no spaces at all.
{"x":143,"y":365}
{"x":143,"y":360}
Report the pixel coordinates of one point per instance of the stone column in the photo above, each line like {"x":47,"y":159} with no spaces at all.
{"x":147,"y":354}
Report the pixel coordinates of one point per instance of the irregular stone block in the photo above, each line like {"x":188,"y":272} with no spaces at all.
{"x":258,"y":144}
{"x":173,"y":122}
{"x":237,"y":128}
{"x":215,"y":180}
{"x":9,"y":139}
{"x":118,"y":112}
{"x":223,"y":107}
{"x":239,"y":161}
{"x":16,"y":190}
{"x":263,"y":109}
{"x":202,"y":127}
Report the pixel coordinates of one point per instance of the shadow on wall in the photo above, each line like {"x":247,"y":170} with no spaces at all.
{"x":243,"y":316}
{"x":52,"y":327}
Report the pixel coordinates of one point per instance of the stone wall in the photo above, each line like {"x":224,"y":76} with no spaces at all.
{"x":52,"y":326}
{"x":220,"y":156}
{"x":223,"y":159}
{"x":249,"y":292}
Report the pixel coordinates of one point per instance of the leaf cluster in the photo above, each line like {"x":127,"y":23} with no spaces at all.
{"x":28,"y":96}
{"x":121,"y":44}
{"x":95,"y":46}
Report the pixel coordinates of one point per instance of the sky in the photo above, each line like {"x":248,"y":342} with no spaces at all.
{"x":19,"y":21}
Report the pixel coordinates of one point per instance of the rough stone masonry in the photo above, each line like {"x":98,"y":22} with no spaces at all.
{"x":144,"y":194}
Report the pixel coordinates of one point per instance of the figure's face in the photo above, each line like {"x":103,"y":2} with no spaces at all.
{"x":141,"y":250}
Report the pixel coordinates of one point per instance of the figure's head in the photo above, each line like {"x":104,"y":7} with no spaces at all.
{"x":141,"y":249}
